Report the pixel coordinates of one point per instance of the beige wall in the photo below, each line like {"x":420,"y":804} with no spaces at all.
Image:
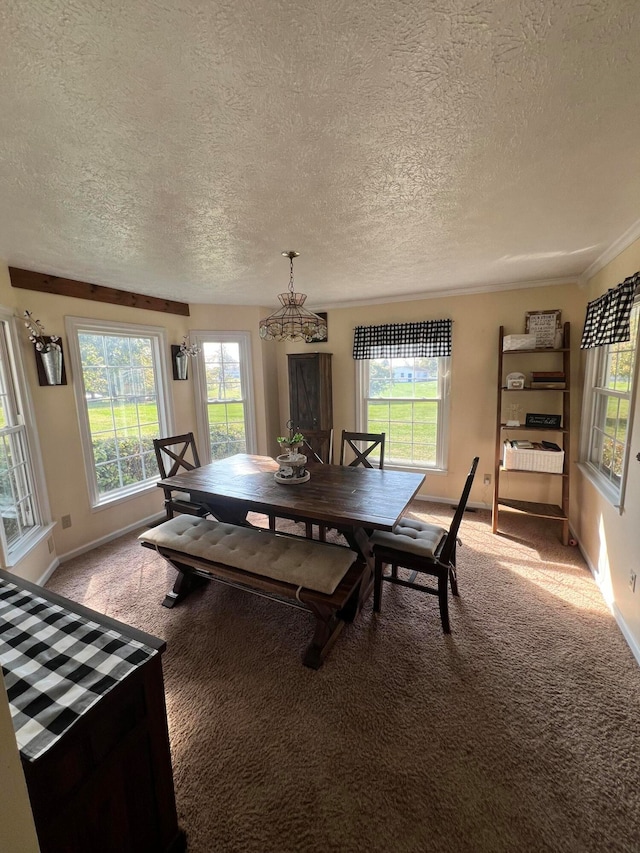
{"x":476,"y":321}
{"x":610,"y":539}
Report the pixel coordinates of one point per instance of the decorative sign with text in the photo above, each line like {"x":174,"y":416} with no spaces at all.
{"x":546,"y":326}
{"x":549,"y":421}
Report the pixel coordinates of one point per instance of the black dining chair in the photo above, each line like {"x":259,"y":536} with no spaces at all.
{"x":421,"y":548}
{"x":175,"y":454}
{"x":362,"y":445}
{"x":318,"y":445}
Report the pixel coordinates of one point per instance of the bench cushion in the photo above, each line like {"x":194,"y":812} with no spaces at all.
{"x":302,"y":562}
{"x":414,"y":537}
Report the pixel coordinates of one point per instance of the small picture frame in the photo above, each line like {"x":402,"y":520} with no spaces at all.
{"x":314,"y":340}
{"x":546,"y":326}
{"x":515,"y":382}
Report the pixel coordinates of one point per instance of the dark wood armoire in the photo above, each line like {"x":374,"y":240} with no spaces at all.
{"x":310,"y":396}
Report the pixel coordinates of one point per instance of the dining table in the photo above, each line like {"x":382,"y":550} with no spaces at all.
{"x":353,"y":500}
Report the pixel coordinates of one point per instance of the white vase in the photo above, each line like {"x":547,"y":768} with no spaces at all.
{"x":52,"y":364}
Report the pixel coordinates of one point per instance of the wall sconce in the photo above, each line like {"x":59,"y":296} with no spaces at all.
{"x":180,"y":356}
{"x":179,"y":362}
{"x":48,"y":349}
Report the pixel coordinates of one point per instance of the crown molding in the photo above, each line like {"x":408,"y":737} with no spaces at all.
{"x":457,"y":291}
{"x":618,"y":246}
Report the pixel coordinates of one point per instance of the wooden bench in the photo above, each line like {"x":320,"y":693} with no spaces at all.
{"x":324,"y":579}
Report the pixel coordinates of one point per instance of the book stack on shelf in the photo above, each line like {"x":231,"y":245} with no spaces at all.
{"x":548,"y":379}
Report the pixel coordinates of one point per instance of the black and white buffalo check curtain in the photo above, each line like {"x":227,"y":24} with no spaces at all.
{"x":607,"y":320}
{"x":428,"y":339}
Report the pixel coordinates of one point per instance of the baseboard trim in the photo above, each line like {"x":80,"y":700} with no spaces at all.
{"x":53,"y":565}
{"x":143,"y":522}
{"x":613,"y":607}
{"x":451,"y":502}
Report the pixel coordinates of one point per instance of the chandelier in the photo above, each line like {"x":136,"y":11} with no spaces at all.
{"x":293,"y":322}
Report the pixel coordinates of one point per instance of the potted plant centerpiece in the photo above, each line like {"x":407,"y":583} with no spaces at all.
{"x":48,"y":348}
{"x":291,"y":444}
{"x":292,"y":463}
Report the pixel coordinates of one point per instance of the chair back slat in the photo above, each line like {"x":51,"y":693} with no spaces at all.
{"x":318,"y":445}
{"x":449,"y":548}
{"x":176,"y":453}
{"x":374,"y":441}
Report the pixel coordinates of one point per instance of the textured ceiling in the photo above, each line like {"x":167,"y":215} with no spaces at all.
{"x":401,"y":146}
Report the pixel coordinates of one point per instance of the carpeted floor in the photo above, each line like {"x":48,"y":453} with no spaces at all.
{"x":518,"y":732}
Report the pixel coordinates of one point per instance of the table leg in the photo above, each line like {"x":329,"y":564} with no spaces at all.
{"x":358,"y":540}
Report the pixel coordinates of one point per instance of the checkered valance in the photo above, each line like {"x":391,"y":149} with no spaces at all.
{"x":427,"y":339}
{"x":607,"y":320}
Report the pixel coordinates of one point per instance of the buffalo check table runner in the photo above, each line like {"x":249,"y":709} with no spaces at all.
{"x":56,"y":665}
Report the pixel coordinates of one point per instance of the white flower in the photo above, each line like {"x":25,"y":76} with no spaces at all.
{"x":189,"y":349}
{"x":36,"y":333}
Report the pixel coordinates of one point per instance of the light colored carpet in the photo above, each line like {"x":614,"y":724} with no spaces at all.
{"x":518,"y":732}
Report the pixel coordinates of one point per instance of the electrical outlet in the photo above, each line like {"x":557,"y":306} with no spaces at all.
{"x":66,"y":521}
{"x":487,"y":480}
{"x":632,"y":581}
{"x":50,"y":544}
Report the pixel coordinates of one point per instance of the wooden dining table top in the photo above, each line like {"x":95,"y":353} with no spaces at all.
{"x":337,"y":495}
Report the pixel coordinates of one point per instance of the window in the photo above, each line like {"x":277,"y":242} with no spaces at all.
{"x":608,"y":405}
{"x":20,"y":507}
{"x":120,"y":393}
{"x":406,"y":398}
{"x":223,"y":393}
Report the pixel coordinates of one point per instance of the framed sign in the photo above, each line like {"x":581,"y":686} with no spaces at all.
{"x":549,"y":421}
{"x":546,"y":326}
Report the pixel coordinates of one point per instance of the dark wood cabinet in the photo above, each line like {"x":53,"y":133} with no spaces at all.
{"x":310,"y":401}
{"x":107,"y":783}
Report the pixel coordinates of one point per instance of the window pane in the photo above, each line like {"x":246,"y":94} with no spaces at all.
{"x":225,"y":398}
{"x":611,"y":396}
{"x":16,"y":491}
{"x":403,"y":401}
{"x":122,"y":407}
{"x":18,"y":504}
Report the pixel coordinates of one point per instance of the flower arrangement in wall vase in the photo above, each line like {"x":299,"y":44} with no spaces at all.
{"x":49,"y":358}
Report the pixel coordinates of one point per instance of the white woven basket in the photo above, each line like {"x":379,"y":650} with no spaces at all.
{"x":547,"y":461}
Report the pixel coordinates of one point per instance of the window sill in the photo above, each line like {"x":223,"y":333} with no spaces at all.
{"x":415,"y":469}
{"x":125,"y":495}
{"x":610,"y":494}
{"x":31,"y":541}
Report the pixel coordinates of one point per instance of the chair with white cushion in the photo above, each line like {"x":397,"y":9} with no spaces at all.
{"x":421,"y":548}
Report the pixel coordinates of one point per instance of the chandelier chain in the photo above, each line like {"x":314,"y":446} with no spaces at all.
{"x":291,"y":273}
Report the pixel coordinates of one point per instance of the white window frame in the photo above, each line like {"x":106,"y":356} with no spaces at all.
{"x":11,"y":556}
{"x":76,"y":325}
{"x":596,"y":356}
{"x":444,"y":391}
{"x":200,"y":382}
